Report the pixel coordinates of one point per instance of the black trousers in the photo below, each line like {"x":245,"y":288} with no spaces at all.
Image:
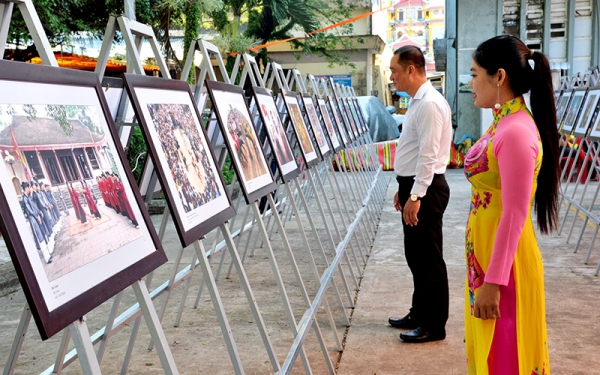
{"x":423,"y":247}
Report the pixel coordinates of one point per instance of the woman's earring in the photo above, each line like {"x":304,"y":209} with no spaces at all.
{"x":497,"y":105}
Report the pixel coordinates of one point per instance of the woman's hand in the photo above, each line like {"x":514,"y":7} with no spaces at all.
{"x":487,"y":302}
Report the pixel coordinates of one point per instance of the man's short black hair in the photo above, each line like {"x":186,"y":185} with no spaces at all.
{"x":411,"y":55}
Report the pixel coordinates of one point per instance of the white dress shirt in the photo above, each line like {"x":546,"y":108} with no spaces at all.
{"x":424,"y":145}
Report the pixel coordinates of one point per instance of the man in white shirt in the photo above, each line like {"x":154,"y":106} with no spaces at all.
{"x":420,"y":163}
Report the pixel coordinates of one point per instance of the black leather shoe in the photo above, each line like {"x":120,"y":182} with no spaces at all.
{"x":406,"y":322}
{"x":420,"y":334}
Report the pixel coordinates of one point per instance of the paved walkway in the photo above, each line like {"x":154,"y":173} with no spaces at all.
{"x":373,"y":347}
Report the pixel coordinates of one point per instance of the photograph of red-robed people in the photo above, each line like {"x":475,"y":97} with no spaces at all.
{"x":63,"y":175}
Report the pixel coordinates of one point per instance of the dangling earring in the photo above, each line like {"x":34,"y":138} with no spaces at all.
{"x":497,"y":105}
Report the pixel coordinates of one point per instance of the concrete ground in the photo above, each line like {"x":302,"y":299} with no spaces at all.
{"x":371,"y":345}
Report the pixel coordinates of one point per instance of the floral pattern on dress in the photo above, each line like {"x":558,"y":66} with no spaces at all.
{"x":537,"y":371}
{"x":475,"y":274}
{"x":477,"y":202}
{"x":476,"y":160}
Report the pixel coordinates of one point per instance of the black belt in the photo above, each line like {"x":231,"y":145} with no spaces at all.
{"x":405,"y":178}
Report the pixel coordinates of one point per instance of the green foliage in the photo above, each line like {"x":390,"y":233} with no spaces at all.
{"x":59,"y":114}
{"x":192,"y":13}
{"x":228,"y":171}
{"x":276,"y":19}
{"x":136,"y":152}
{"x":30,"y":111}
{"x":220,"y":19}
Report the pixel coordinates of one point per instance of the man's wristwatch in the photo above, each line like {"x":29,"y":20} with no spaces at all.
{"x":414,"y":197}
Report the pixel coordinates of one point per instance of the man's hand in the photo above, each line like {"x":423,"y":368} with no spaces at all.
{"x":411,"y":209}
{"x":397,"y":204}
{"x":487,"y":302}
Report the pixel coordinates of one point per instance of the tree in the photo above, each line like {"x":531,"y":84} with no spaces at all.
{"x":277,"y":19}
{"x":62,"y":20}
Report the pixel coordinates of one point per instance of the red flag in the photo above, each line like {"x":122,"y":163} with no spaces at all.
{"x":18,"y":153}
{"x":12,"y":134}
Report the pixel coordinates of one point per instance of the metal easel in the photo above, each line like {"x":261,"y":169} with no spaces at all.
{"x":78,"y":329}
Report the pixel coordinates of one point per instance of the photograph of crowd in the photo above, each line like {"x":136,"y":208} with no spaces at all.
{"x":185,"y":149}
{"x":72,"y":217}
{"x":328,"y":124}
{"x":316,"y":124}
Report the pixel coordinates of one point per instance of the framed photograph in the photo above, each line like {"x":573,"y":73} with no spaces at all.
{"x":335,"y":141}
{"x":562,"y":105}
{"x":351,"y":117}
{"x":241,"y":139}
{"x":361,"y":115}
{"x":345,"y":120}
{"x":463,"y":83}
{"x":75,"y":226}
{"x":358,"y":116}
{"x":594,"y":130}
{"x":572,"y":112}
{"x":182,"y":156}
{"x":333,"y":110}
{"x":306,"y":146}
{"x":284,"y":156}
{"x":344,"y":116}
{"x":557,"y":95}
{"x":315,"y":123}
{"x":590,"y":106}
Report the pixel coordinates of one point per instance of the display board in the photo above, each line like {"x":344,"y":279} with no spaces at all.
{"x":561,"y":106}
{"x":333,"y":137}
{"x":339,"y":126}
{"x":284,"y":156}
{"x":309,"y":153}
{"x":72,"y":250}
{"x":313,"y":119}
{"x":589,"y":109}
{"x":570,"y":116}
{"x":364,"y":127}
{"x":241,"y":139}
{"x":352,"y":116}
{"x":181,"y":153}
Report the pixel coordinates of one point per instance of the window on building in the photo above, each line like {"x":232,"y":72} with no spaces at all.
{"x":400,"y":15}
{"x":419,"y":14}
{"x":558,"y":29}
{"x":436,"y":12}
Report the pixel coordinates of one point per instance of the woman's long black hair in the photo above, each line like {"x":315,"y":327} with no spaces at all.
{"x":512,"y":55}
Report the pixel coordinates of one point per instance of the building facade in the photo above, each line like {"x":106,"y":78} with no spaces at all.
{"x":40,"y":152}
